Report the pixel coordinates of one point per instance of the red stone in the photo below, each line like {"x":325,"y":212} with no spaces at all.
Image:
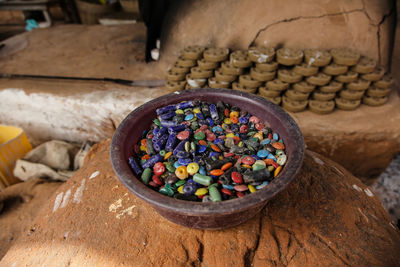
{"x":248,"y":160}
{"x":183,"y":135}
{"x":237,"y":177}
{"x":159,"y":168}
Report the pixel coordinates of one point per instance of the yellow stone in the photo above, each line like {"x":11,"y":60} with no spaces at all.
{"x":277,"y":171}
{"x":192,"y":168}
{"x":201,"y":191}
{"x":234,"y":114}
{"x":258,"y":135}
{"x":231,"y":135}
{"x":252,"y":189}
{"x":196,"y":110}
{"x":167,"y":155}
{"x":227,"y":121}
{"x":180,"y":189}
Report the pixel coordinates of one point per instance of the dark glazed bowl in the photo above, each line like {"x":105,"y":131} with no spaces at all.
{"x":207,"y":215}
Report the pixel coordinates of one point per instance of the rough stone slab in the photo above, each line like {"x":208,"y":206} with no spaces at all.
{"x":81,"y":51}
{"x":302,"y":24}
{"x":71,"y":111}
{"x":326,"y":217}
{"x":364,"y":141}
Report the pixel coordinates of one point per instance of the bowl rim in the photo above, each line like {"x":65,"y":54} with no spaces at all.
{"x":158,"y":200}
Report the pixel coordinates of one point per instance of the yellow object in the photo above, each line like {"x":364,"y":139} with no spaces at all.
{"x":167,"y":155}
{"x":201,"y":191}
{"x":252,"y":189}
{"x":180,"y":189}
{"x":181,"y":172}
{"x":192,"y":168}
{"x":277,"y":171}
{"x":14,"y":144}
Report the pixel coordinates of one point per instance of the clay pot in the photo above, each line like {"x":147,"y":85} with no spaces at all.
{"x":207,"y":215}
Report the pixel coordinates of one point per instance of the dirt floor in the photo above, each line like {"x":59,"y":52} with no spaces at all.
{"x":21,"y":204}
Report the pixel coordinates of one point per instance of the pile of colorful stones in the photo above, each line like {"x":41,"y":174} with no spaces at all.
{"x":316,"y":79}
{"x":201,"y":151}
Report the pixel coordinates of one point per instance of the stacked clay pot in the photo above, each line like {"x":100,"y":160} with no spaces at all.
{"x":295,"y":79}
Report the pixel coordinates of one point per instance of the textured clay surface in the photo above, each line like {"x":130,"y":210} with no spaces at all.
{"x":21,"y":203}
{"x":326,"y":217}
{"x":363,"y":141}
{"x":364,"y":25}
{"x":81,"y":51}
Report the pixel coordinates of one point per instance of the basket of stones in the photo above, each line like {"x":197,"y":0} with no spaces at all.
{"x":207,"y":158}
{"x":295,"y":79}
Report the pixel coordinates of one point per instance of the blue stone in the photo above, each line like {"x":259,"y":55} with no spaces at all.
{"x":176,"y":164}
{"x":189,"y":188}
{"x":228,"y":186}
{"x":275,"y":136}
{"x":201,"y":149}
{"x":243,"y":120}
{"x":184,"y":162}
{"x":188,"y":117}
{"x":214,"y":154}
{"x":265,"y":141}
{"x":217,"y":130}
{"x":202,"y":170}
{"x":263,"y":153}
{"x":219,"y":141}
{"x":270,"y":156}
{"x":200,"y":116}
{"x":264,"y":184}
{"x":210,"y":122}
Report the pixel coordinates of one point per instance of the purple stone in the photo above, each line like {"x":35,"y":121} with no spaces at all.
{"x":171,"y":142}
{"x":165,"y":109}
{"x":151,"y":161}
{"x":137,"y":170}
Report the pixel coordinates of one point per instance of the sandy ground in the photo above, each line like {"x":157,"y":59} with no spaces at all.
{"x":22,"y":203}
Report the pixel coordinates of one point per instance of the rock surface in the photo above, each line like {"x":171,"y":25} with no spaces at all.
{"x":22,"y":203}
{"x":326,"y":217}
{"x":81,"y":51}
{"x":239,"y":24}
{"x":364,"y":141}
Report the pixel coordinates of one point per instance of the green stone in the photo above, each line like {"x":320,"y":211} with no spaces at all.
{"x":170,"y":167}
{"x":187,"y":146}
{"x":257,"y":167}
{"x":192,"y":146}
{"x":167,"y":190}
{"x":202,"y":179}
{"x":162,"y":153}
{"x":214,"y":193}
{"x":214,"y":184}
{"x":146,"y":176}
{"x":194,"y":125}
{"x":199,"y":136}
{"x":157,"y":122}
{"x":180,"y":182}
